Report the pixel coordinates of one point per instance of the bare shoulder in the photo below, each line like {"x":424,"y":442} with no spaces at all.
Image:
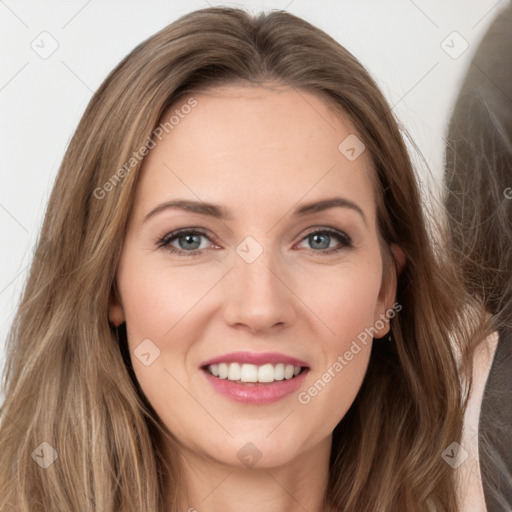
{"x":469,"y":478}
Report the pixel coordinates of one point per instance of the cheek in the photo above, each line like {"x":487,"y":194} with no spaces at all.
{"x":346,"y":301}
{"x":159,"y":306}
{"x":162,"y":308}
{"x":156,"y":299}
{"x":347,"y":306}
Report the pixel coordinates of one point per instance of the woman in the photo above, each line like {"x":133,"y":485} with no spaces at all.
{"x":234,"y":222}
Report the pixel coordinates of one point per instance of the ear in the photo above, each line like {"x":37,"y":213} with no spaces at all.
{"x":115,"y":308}
{"x":399,"y":256}
{"x":387,"y":293}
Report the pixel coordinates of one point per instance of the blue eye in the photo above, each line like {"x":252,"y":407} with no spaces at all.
{"x":321,"y":240}
{"x":189,"y":242}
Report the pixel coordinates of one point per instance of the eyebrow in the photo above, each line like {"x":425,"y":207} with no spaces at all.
{"x":218,"y":212}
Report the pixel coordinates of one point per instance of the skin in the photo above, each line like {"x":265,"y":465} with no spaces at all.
{"x":259,"y":152}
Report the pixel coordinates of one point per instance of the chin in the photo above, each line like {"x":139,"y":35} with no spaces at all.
{"x":258,"y":451}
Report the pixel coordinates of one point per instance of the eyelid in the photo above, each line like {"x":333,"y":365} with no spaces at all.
{"x":343,"y":238}
{"x":184,"y":231}
{"x":328,"y":230}
{"x":165,"y":241}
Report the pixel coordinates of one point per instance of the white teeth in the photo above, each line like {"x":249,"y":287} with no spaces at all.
{"x":288,"y":371}
{"x":252,"y":373}
{"x":234,"y":371}
{"x":249,"y":373}
{"x":223,"y":370}
{"x":266,"y":373}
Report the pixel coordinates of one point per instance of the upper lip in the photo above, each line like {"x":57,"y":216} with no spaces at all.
{"x":257,"y":359}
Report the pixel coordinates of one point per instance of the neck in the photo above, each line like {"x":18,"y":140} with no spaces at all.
{"x":297,"y":485}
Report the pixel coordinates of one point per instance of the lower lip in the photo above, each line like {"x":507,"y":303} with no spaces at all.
{"x":254,"y":392}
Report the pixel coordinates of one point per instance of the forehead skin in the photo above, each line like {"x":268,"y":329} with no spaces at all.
{"x":259,"y":149}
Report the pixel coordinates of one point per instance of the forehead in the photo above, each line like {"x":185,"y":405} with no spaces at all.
{"x":269,"y":144}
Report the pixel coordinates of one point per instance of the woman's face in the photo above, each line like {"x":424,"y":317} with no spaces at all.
{"x":267,"y":265}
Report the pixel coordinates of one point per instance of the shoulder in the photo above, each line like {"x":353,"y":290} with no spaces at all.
{"x":468,"y":473}
{"x":494,"y":428}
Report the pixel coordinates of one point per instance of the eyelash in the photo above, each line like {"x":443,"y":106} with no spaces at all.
{"x":164,"y":242}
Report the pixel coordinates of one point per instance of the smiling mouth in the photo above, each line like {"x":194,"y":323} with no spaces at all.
{"x":251,"y":373}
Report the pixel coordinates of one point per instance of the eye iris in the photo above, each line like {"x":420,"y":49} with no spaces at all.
{"x":190,"y":239}
{"x":317,"y":238}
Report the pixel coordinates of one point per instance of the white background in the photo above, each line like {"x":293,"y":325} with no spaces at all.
{"x":41,"y":100}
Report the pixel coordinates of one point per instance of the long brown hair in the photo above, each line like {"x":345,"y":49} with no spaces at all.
{"x":68,"y":379}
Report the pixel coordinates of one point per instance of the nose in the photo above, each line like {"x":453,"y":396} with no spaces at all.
{"x":259,"y":295}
